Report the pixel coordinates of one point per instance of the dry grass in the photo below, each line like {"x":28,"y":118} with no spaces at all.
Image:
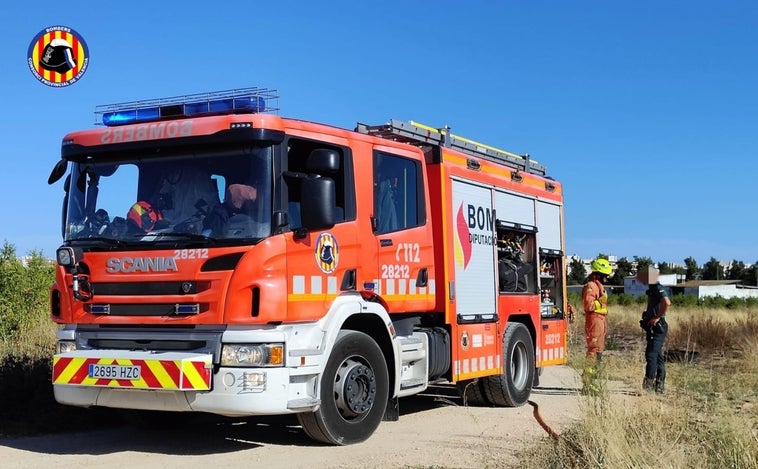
{"x":707,"y":419}
{"x":37,"y":340}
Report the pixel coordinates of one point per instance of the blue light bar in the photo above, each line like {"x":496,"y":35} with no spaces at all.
{"x":130,"y":116}
{"x":245,"y":100}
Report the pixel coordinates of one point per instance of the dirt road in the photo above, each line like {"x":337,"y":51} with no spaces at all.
{"x":434,"y":429}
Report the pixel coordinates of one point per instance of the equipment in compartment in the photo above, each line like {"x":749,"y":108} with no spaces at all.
{"x":550,"y":283}
{"x":515,"y":252}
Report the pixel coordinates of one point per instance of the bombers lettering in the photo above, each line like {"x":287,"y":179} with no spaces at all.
{"x":57,"y":28}
{"x":151,"y":131}
{"x":483,"y":219}
{"x":140,"y":264}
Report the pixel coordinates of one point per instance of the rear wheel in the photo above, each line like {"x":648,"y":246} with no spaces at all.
{"x":354,"y":392}
{"x":472,"y":392}
{"x":513,"y":386}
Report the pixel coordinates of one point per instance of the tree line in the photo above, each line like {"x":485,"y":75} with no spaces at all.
{"x":24,"y":291}
{"x":711,"y":270}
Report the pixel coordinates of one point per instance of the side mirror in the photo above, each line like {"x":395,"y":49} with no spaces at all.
{"x":318,"y":204}
{"x":323,"y":161}
{"x":58,"y":171}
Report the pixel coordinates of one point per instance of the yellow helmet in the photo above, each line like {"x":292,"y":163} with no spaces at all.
{"x":602,"y":266}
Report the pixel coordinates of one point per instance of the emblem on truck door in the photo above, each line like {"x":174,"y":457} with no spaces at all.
{"x":327,"y":253}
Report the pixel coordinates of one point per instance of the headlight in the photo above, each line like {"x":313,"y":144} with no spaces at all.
{"x":252,"y":355}
{"x":65,"y":346}
{"x":65,"y":257}
{"x":68,"y":257}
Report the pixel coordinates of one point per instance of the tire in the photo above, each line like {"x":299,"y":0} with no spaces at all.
{"x":513,"y":387}
{"x":472,"y":392}
{"x":354,"y":392}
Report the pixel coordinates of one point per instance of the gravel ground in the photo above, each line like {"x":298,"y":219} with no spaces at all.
{"x":434,"y":429}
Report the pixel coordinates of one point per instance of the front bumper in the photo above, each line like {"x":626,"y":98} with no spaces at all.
{"x":188,"y":384}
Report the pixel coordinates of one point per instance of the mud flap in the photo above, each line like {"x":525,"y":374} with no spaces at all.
{"x":392,"y":412}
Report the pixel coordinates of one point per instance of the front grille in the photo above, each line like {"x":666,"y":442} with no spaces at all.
{"x":162,"y":345}
{"x":143,"y":309}
{"x":150,"y":288}
{"x":197,"y":339}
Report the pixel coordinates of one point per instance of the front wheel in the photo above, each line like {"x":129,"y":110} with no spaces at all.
{"x":513,"y":386}
{"x":354,"y":391}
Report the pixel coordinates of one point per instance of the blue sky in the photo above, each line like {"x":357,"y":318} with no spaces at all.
{"x":647,"y":111}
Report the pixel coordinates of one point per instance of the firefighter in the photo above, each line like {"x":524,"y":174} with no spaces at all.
{"x":143,"y":216}
{"x":240,"y":199}
{"x":595,"y":302}
{"x":656,"y":328}
{"x":385,"y":188}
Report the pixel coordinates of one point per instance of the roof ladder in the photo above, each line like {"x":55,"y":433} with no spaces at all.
{"x":418,"y":134}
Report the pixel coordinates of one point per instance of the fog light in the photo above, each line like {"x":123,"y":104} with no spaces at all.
{"x":253,"y":382}
{"x":65,"y":346}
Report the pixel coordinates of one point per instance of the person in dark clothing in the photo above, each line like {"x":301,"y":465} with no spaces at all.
{"x":654,"y":324}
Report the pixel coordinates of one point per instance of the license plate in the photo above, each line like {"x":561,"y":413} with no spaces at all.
{"x":127,"y":372}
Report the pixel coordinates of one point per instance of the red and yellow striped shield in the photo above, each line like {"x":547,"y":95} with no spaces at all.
{"x":58,"y":56}
{"x":171,"y":372}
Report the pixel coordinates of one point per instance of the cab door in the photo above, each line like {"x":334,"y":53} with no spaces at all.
{"x":321,"y":264}
{"x":402,"y":232}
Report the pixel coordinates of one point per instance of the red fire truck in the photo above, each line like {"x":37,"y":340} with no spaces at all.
{"x":219,"y":258}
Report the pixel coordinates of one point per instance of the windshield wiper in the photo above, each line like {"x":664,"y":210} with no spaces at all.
{"x":193,"y":236}
{"x":111,"y":241}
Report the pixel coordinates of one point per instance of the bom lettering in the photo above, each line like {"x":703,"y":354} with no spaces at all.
{"x":481,"y":218}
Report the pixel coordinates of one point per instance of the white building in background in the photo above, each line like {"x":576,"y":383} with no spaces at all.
{"x":713,"y":288}
{"x":701,"y":288}
{"x":634,"y":287}
{"x":676,"y":283}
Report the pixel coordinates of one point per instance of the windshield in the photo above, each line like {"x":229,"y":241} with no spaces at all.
{"x":212,"y":196}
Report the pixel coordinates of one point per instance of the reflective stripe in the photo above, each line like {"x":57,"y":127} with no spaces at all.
{"x":477,"y":366}
{"x":312,"y":288}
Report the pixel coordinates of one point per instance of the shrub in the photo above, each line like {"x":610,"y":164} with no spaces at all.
{"x":714,"y":301}
{"x":23,"y":291}
{"x":685,"y":301}
{"x":624,"y":299}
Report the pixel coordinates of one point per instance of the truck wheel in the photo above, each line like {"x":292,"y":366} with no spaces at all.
{"x":512,"y":388}
{"x":354,"y":392}
{"x":472,"y":392}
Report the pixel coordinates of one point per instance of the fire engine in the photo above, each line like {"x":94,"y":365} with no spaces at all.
{"x":220,"y":258}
